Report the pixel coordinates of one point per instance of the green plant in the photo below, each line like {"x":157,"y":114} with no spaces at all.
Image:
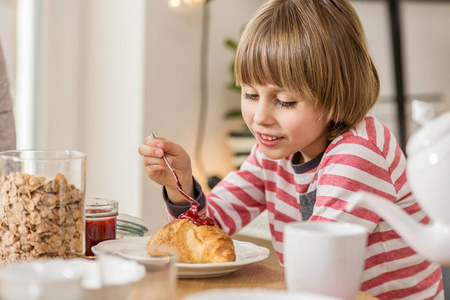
{"x":232,"y":44}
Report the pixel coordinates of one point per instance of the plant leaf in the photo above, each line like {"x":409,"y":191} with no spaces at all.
{"x":233,"y":114}
{"x":232,"y":44}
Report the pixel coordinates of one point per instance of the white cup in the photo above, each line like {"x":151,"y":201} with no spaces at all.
{"x":324,"y":258}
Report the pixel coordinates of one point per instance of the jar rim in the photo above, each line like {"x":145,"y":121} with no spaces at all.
{"x":100,"y":207}
{"x":41,"y":155}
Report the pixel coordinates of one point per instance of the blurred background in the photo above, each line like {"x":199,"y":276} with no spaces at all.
{"x":98,"y":76}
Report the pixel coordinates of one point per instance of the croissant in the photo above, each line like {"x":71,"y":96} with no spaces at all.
{"x":195,"y":244}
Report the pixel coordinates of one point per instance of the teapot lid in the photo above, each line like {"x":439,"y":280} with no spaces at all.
{"x":432,"y":129}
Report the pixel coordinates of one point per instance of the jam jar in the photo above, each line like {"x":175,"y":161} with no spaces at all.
{"x":101,"y":220}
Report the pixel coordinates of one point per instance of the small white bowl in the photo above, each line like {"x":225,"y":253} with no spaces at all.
{"x":41,"y":280}
{"x":72,"y":279}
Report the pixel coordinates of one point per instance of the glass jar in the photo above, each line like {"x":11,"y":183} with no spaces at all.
{"x":41,"y":205}
{"x":101,"y":220}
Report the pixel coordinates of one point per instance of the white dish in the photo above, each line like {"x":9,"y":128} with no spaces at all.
{"x":41,"y":280}
{"x":72,"y":279}
{"x":256,"y":294}
{"x":135,"y":249}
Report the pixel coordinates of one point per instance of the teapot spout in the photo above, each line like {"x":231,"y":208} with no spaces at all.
{"x":431,"y":241}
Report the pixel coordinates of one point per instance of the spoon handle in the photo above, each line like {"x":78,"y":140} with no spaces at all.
{"x":177,"y":181}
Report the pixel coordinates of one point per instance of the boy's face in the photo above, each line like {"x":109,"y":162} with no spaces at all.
{"x":283,"y":123}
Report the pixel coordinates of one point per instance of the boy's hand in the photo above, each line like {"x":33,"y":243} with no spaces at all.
{"x":152,"y":151}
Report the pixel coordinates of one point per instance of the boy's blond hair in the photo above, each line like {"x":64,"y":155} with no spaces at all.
{"x":315,"y":48}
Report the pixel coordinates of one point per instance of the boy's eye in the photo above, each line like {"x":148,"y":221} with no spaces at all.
{"x":285,"y":104}
{"x":250,"y":96}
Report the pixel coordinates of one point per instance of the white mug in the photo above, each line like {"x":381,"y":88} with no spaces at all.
{"x":324,"y":258}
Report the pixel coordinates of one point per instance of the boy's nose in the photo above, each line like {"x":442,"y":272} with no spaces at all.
{"x":263,"y":114}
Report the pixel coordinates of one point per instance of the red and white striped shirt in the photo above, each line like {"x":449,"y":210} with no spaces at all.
{"x":366,"y":158}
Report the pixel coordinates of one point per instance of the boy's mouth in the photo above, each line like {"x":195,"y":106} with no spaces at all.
{"x":268,"y":140}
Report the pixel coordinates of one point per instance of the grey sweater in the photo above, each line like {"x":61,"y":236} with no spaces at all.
{"x":7,"y":125}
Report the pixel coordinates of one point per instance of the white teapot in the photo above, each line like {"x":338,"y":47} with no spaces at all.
{"x":428,"y":171}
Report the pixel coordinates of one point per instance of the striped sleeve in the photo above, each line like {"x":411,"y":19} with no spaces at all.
{"x":239,"y":197}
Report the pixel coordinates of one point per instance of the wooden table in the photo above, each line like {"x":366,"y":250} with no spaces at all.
{"x":257,"y":275}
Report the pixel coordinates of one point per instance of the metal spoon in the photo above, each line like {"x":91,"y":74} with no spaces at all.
{"x":179,"y":187}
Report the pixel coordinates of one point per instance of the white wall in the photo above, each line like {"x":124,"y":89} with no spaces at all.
{"x":427,"y":40}
{"x":8,"y":42}
{"x":111,"y":116}
{"x":92,"y":93}
{"x":171,"y":86}
{"x":8,"y":36}
{"x":426,"y":44}
{"x":60,"y":68}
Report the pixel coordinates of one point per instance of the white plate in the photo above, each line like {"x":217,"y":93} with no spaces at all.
{"x":256,"y":294}
{"x":135,"y":249}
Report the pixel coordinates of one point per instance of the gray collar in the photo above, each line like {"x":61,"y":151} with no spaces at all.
{"x":305,"y":167}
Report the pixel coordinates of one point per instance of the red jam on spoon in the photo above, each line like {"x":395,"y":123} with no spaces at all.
{"x":192,"y":214}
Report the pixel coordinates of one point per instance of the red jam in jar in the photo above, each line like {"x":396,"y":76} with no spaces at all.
{"x":101,"y":218}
